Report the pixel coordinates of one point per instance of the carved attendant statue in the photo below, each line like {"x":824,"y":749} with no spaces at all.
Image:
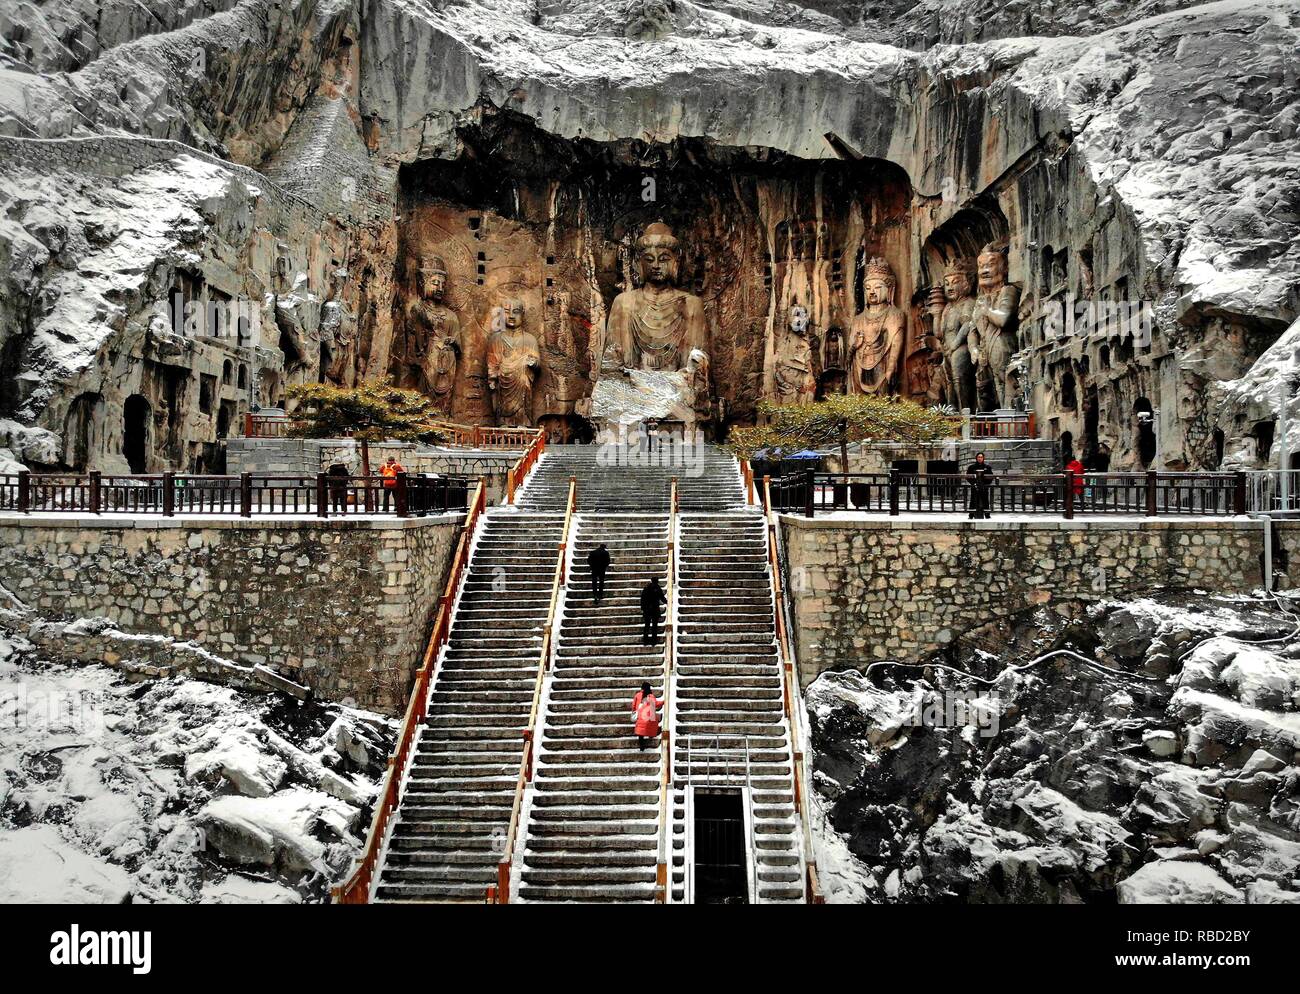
{"x":514,"y":361}
{"x":438,"y":333}
{"x":993,"y":339}
{"x":876,"y":335}
{"x":792,"y":373}
{"x":951,"y":307}
{"x":655,"y":326}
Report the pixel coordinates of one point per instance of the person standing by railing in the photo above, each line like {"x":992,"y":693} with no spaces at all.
{"x":389,"y":471}
{"x":980,"y":477}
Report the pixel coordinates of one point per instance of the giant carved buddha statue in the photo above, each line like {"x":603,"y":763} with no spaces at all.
{"x":656,"y":326}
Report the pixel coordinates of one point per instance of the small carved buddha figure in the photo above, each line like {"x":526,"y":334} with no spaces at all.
{"x":514,"y":361}
{"x":951,"y":306}
{"x":656,"y":325}
{"x":993,"y":339}
{"x":876,"y":335}
{"x":436,"y":332}
{"x":792,"y":371}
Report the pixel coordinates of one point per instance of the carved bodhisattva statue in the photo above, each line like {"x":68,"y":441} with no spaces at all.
{"x":951,"y":307}
{"x":437,"y":333}
{"x":876,"y":336}
{"x":656,"y":325}
{"x":792,"y":371}
{"x":993,"y":339}
{"x":514,"y":361}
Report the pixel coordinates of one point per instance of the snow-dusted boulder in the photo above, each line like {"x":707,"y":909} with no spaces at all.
{"x":1177,"y":882}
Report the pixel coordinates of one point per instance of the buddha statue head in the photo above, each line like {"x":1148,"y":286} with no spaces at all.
{"x":957,"y":279}
{"x":992,"y":266}
{"x":656,"y":252}
{"x":797,"y":320}
{"x":510,"y":314}
{"x":878,"y":286}
{"x":433,"y":279}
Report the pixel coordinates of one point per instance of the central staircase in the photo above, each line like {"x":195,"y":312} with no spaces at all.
{"x":592,"y":828}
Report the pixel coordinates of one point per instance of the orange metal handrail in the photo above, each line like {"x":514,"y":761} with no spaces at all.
{"x":665,"y":732}
{"x":519,"y":471}
{"x":356,"y":889}
{"x":791,"y":694}
{"x":500,"y":894}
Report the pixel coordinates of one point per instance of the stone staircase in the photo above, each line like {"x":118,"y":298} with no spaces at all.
{"x":591,"y":827}
{"x":593,"y":820}
{"x":618,"y":479}
{"x":729,"y":709}
{"x":455,"y":806}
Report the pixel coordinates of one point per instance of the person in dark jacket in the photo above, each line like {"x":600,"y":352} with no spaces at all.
{"x":652,"y":596}
{"x":598,"y":563}
{"x":980,"y":477}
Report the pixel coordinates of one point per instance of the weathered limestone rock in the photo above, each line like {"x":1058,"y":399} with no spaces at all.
{"x":515,"y":144}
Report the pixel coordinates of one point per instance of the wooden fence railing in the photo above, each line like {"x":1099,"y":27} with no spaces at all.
{"x":1064,"y":494}
{"x":248,"y":495}
{"x":500,"y":893}
{"x":663,"y":861}
{"x":1017,"y":425}
{"x":356,"y":889}
{"x":792,"y":698}
{"x":520,"y":470}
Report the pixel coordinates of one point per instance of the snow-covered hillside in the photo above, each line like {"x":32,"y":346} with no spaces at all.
{"x":174,"y":790}
{"x":1168,"y":772}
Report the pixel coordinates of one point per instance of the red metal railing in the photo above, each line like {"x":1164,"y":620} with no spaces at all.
{"x":356,"y":889}
{"x":500,"y":892}
{"x":520,"y":470}
{"x":812,"y":888}
{"x":663,"y":883}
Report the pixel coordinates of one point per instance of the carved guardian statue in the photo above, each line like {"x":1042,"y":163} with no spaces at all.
{"x":514,"y":361}
{"x":876,"y":335}
{"x":993,"y":339}
{"x":951,"y":307}
{"x":792,"y":370}
{"x":437,"y":333}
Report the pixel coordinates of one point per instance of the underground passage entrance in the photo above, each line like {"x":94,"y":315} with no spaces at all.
{"x":721,"y":857}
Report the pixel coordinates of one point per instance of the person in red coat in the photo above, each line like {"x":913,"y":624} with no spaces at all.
{"x":1076,"y":467}
{"x":646,"y":708}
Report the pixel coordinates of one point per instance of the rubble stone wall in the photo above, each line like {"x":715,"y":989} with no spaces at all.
{"x":871,"y":589}
{"x":341,"y":606}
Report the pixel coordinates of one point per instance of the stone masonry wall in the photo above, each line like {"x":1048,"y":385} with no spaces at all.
{"x":341,"y":606}
{"x":870,"y":589}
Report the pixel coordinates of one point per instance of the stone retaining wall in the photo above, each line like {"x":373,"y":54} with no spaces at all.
{"x":341,"y":606}
{"x":871,"y":588}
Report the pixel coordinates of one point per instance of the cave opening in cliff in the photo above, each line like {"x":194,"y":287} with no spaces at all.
{"x":81,"y":433}
{"x":136,"y":423}
{"x":553,"y":222}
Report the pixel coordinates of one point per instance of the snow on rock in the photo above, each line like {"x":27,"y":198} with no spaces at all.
{"x":1173,"y":882}
{"x":1168,"y":775}
{"x":235,"y":889}
{"x":295,"y":831}
{"x":37,"y":865}
{"x":167,"y":787}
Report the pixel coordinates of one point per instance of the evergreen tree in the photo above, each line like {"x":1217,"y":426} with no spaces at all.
{"x":372,"y":412}
{"x":840,"y":420}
